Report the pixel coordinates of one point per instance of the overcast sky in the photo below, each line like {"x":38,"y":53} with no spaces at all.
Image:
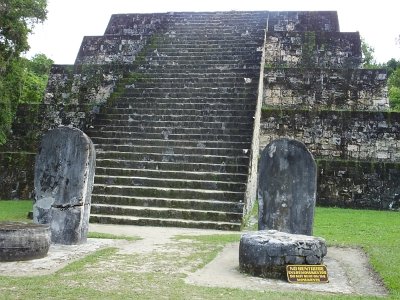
{"x":69,"y":20}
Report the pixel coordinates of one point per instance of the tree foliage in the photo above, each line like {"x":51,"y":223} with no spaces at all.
{"x":391,"y":66}
{"x":35,"y":77}
{"x":17,"y":20}
{"x":368,"y":55}
{"x":393,"y":72}
{"x":394,"y":88}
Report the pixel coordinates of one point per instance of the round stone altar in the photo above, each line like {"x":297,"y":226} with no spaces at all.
{"x":23,"y":241}
{"x":266,"y":253}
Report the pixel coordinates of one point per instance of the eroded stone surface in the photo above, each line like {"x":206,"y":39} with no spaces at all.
{"x":287,"y":187}
{"x":266,"y":253}
{"x":23,"y":241}
{"x":64,"y":174}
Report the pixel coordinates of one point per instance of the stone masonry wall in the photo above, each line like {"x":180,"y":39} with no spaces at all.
{"x":135,"y":24}
{"x":124,"y":39}
{"x":303,"y":21}
{"x":357,"y":153}
{"x":315,"y":91}
{"x":313,"y":48}
{"x":358,"y":184}
{"x":356,"y":89}
{"x":16,"y":175}
{"x":110,"y":49}
{"x":74,"y":94}
{"x":336,"y":134}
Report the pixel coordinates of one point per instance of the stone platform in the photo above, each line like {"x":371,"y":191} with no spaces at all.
{"x":266,"y":253}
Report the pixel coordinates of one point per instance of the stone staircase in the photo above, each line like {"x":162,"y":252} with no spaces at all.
{"x":173,"y":148}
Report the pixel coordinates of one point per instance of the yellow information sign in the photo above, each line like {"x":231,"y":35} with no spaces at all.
{"x":307,"y":273}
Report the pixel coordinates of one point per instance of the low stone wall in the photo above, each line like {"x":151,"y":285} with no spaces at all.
{"x":16,"y":175}
{"x":358,"y":184}
{"x":25,"y":130}
{"x":355,"y":89}
{"x":336,"y":134}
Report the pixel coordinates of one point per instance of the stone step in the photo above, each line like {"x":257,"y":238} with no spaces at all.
{"x":220,"y":22}
{"x":170,"y":83}
{"x":180,"y":106}
{"x":136,"y":181}
{"x":171,"y":150}
{"x":201,"y":34}
{"x":195,"y":51}
{"x":216,"y":19}
{"x":125,"y":220}
{"x":180,"y":41}
{"x":227,"y":16}
{"x":227,"y":206}
{"x":215,"y":176}
{"x":176,"y":158}
{"x":177,"y":125}
{"x":239,"y":29}
{"x":179,"y":80}
{"x":126,"y":120}
{"x":144,"y":191}
{"x":209,"y":33}
{"x":204,"y":35}
{"x":219,"y":17}
{"x":129,"y":113}
{"x":165,"y":213}
{"x":205,"y":100}
{"x":229,"y":92}
{"x":203,"y":60}
{"x":152,"y":72}
{"x":188,"y":48}
{"x":161,"y":142}
{"x":218,"y":67}
{"x":166,"y":135}
{"x":172,"y":166}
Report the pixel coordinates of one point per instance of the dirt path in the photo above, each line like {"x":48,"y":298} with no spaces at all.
{"x":348,"y":269}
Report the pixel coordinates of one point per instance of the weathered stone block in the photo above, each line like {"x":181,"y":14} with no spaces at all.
{"x":325,"y":88}
{"x":64,"y":174}
{"x":287,"y":187}
{"x":266,"y":253}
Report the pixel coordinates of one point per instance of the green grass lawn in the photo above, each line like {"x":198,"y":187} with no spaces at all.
{"x":108,"y":275}
{"x":15,"y":210}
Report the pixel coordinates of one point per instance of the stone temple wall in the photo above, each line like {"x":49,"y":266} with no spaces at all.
{"x":315,"y":91}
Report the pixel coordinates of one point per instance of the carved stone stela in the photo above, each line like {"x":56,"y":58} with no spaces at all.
{"x":64,"y":174}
